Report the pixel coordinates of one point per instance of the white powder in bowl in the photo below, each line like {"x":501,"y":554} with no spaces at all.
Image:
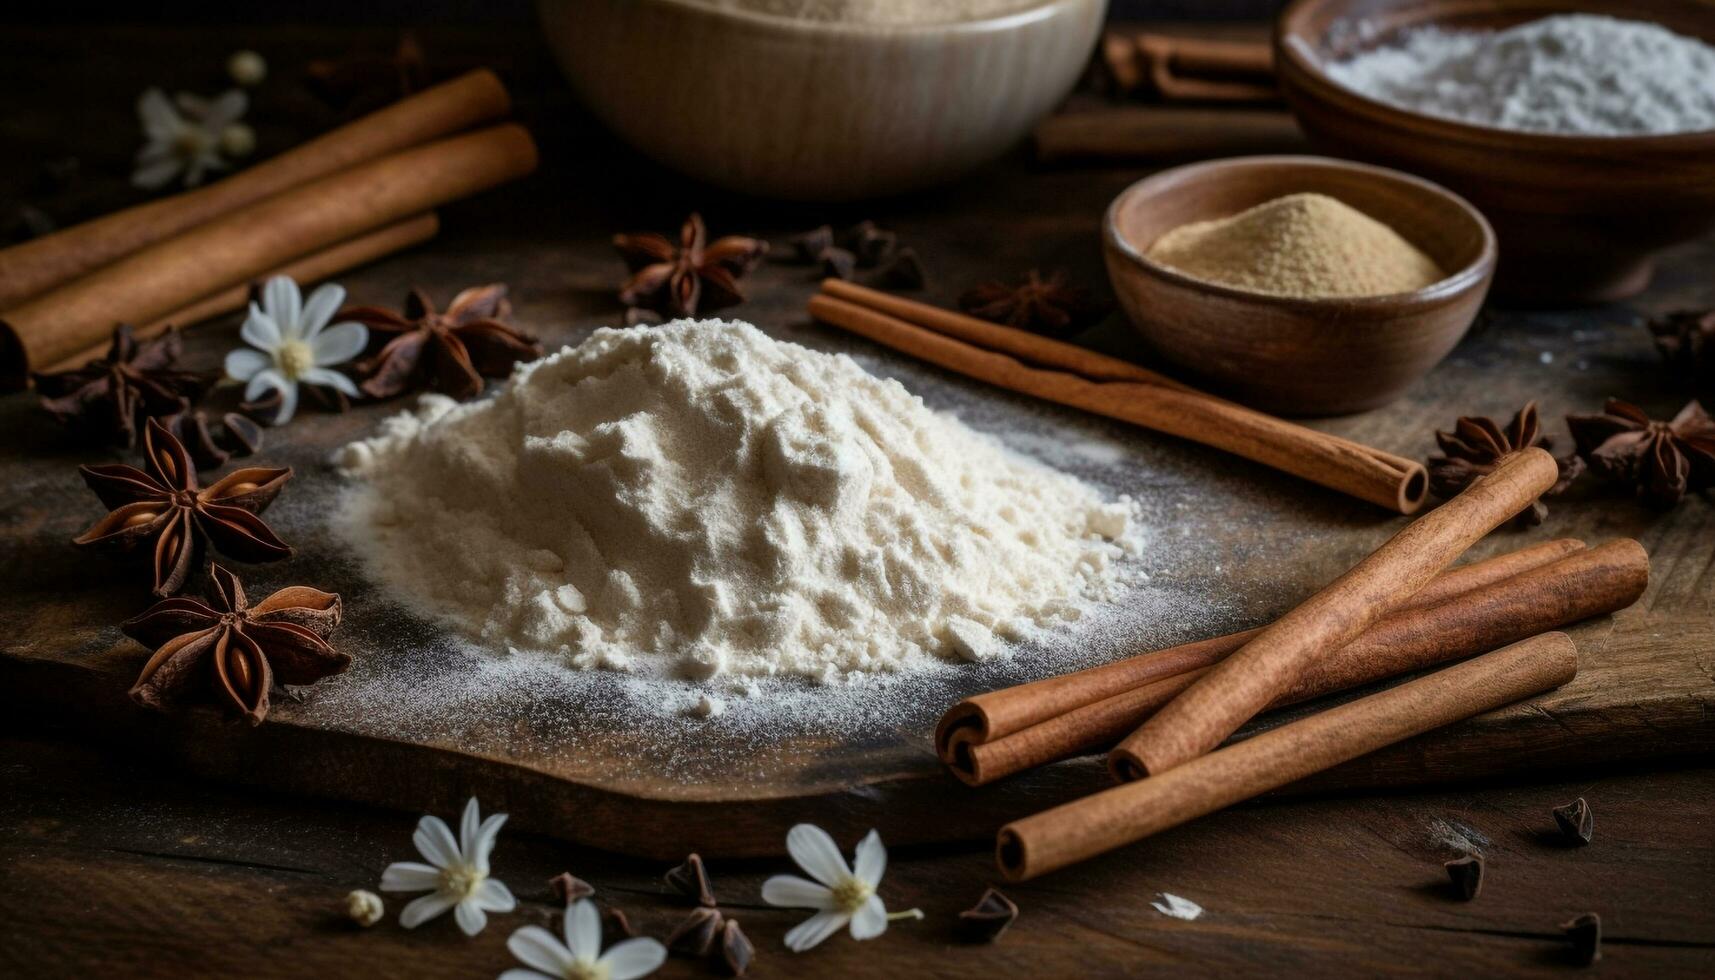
{"x":698,"y":499}
{"x":880,"y":12}
{"x":1573,"y":74}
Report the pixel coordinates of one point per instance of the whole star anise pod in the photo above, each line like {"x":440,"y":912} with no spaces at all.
{"x":1476,"y":445}
{"x":1663,"y":460}
{"x":449,"y":352}
{"x":682,"y":279}
{"x":166,"y":508}
{"x":1686,"y":340}
{"x":244,"y":649}
{"x":1046,"y":305}
{"x":109,"y":398}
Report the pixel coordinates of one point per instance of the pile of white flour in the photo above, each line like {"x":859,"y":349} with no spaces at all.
{"x":1573,"y":74}
{"x":697,"y":500}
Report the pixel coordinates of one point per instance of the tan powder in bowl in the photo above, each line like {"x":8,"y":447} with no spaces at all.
{"x":1302,"y":245}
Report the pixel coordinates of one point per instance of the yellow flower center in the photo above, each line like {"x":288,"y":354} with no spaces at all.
{"x":461,"y":881}
{"x":851,"y":894}
{"x":191,"y":143}
{"x":295,"y":357}
{"x":587,"y":970}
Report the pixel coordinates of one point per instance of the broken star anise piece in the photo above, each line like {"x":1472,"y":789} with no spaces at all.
{"x":691,"y":276}
{"x":1476,"y":445}
{"x":239,"y":649}
{"x":1045,"y":305}
{"x":166,"y":509}
{"x":108,"y":398}
{"x":211,"y":444}
{"x":1686,"y":340}
{"x":1663,"y":460}
{"x":449,"y":352}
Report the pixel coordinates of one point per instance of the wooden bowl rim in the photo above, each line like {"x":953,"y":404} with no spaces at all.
{"x":1043,"y":10}
{"x":1292,"y":49}
{"x":1471,"y":276}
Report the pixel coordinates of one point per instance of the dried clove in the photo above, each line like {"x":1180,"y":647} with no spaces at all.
{"x":1585,"y":934}
{"x":905,"y":270}
{"x":569,"y":888}
{"x":1576,"y":823}
{"x":837,"y":263}
{"x":869,"y":243}
{"x":698,"y":934}
{"x":614,"y":923}
{"x":810,"y":246}
{"x":736,"y":951}
{"x":690,"y":880}
{"x":985,"y":921}
{"x":1466,"y":875}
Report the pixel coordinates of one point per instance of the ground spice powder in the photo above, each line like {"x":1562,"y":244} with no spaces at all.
{"x":1304,"y":245}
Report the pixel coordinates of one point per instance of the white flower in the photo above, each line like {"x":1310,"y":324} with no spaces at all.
{"x":580,"y":956}
{"x":184,"y":138}
{"x":456,"y":876}
{"x":842,"y":895}
{"x":295,"y":344}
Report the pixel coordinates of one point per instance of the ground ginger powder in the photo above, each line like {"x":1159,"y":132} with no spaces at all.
{"x":1303,"y":245}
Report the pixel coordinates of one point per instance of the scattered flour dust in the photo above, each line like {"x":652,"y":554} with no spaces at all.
{"x":698,"y":501}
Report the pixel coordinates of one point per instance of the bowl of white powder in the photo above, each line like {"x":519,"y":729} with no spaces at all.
{"x":822,"y":100}
{"x":1584,"y":131}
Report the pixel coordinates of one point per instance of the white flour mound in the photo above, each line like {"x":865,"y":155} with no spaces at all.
{"x":697,"y":500}
{"x":1578,"y":74}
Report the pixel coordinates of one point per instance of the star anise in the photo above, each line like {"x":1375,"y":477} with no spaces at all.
{"x":211,"y":444}
{"x":1476,"y":445}
{"x":244,"y":649}
{"x":167,"y":508}
{"x":694,"y":275}
{"x":108,"y":398}
{"x":1048,"y":305}
{"x":448,"y":352}
{"x":1663,"y":460}
{"x":1686,"y":340}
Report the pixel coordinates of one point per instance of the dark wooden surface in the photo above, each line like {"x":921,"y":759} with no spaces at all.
{"x":124,"y":864}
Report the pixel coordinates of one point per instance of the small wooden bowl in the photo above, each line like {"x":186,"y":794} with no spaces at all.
{"x":1579,"y":218}
{"x":816,"y":111}
{"x":1283,"y":354}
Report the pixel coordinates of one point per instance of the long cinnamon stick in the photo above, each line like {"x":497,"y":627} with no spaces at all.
{"x":1368,"y":474}
{"x":332,"y":261}
{"x":1269,"y":665}
{"x":997,"y":714}
{"x":230,"y":250}
{"x":1129,"y":812}
{"x":36,"y":266}
{"x":1579,"y":586}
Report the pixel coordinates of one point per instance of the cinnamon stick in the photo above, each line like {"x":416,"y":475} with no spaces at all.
{"x":1269,"y":665}
{"x":346,"y":255}
{"x":230,"y":250}
{"x":1194,"y":69}
{"x":1577,"y":587}
{"x":1368,"y":474}
{"x":31,"y":268}
{"x":998,"y":714}
{"x":1129,"y":812}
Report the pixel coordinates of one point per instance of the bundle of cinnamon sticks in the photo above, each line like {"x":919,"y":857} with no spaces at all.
{"x":362,"y":191}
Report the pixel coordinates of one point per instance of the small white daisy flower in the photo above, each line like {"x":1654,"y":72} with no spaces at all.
{"x":840,"y":894}
{"x":295,"y":344}
{"x":580,"y":956}
{"x":456,"y":876}
{"x":185,"y":138}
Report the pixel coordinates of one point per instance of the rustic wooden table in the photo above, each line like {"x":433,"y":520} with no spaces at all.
{"x":110,"y":861}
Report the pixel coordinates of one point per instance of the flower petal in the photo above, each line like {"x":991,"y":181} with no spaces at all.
{"x":871,"y":860}
{"x":517,"y":974}
{"x":633,"y":958}
{"x":813,"y":930}
{"x":583,"y":930}
{"x":260,"y":330}
{"x":870,"y":920}
{"x":322,"y":304}
{"x":537,"y":947}
{"x":817,"y":854}
{"x":282,"y":301}
{"x":329,"y":378}
{"x":339,"y":343}
{"x":409,"y":876}
{"x":435,"y":842}
{"x":421,"y":910}
{"x":288,"y":403}
{"x":494,"y":896}
{"x":155,"y":175}
{"x":483,"y":843}
{"x":228,"y":108}
{"x":470,"y":917}
{"x":245,"y":363}
{"x":793,"y":892}
{"x":469,"y":820}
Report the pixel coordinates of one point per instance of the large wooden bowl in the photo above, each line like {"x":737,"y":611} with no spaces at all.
{"x":1579,"y":218}
{"x":818,"y":111}
{"x":1283,"y":354}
